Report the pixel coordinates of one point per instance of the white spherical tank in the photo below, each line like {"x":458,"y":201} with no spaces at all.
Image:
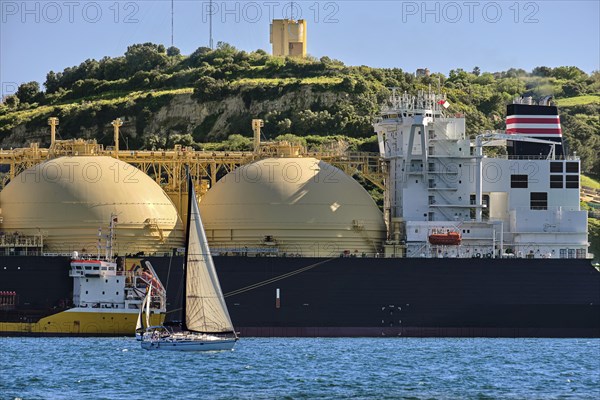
{"x":69,"y":199}
{"x":292,"y":205}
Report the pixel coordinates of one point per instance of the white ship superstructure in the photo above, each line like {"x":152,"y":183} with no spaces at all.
{"x":521,"y":202}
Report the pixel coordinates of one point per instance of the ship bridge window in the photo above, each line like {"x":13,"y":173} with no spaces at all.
{"x":572,"y":182}
{"x":556,"y":166}
{"x":539,"y":200}
{"x":563,"y":253}
{"x":573,"y":167}
{"x":518,"y":181}
{"x":556,"y":181}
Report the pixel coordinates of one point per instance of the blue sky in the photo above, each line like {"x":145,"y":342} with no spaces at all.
{"x":38,"y":36}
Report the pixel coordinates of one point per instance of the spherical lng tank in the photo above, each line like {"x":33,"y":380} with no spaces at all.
{"x":294,"y":206}
{"x":69,"y":199}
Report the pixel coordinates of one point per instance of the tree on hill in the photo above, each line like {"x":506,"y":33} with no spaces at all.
{"x":173,"y":51}
{"x":569,"y":73}
{"x":28,"y":92}
{"x":541,"y":71}
{"x":11,"y":101}
{"x":52,"y":83}
{"x":145,"y":57}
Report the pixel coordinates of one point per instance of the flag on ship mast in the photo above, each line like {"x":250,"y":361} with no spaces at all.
{"x":444,"y":103}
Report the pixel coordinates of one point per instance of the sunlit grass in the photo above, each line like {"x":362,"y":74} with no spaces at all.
{"x":322,"y":80}
{"x":579,"y":100}
{"x":589,"y":182}
{"x":16,"y":118}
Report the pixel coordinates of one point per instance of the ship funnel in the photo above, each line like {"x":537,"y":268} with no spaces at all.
{"x":539,"y":121}
{"x":546,"y":101}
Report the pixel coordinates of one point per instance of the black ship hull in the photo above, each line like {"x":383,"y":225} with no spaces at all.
{"x":362,"y":296}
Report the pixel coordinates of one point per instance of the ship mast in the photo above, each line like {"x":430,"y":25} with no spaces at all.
{"x":110,"y":238}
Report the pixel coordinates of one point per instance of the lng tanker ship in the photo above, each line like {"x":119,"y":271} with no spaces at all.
{"x":480,"y":237}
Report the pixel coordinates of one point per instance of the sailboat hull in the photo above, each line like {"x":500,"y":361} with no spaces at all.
{"x":189,"y":345}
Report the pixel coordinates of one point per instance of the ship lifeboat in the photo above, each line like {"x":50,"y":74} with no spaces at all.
{"x":447,"y":238}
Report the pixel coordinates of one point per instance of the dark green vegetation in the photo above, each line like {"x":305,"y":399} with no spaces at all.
{"x":594,"y":237}
{"x":592,"y":205}
{"x":323,"y":101}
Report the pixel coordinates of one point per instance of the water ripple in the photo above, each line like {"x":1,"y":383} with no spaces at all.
{"x":360,"y":368}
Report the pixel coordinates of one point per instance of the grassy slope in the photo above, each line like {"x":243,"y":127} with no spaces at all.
{"x":16,"y":118}
{"x":589,"y":182}
{"x":579,"y":100}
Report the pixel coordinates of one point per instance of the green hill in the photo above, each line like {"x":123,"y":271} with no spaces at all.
{"x":166,"y":98}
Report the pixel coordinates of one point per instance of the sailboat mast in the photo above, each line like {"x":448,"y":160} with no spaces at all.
{"x":187,"y":249}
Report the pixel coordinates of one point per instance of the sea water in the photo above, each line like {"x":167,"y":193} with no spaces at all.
{"x":302,"y":368}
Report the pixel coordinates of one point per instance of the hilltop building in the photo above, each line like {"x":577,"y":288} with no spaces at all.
{"x":288,"y":37}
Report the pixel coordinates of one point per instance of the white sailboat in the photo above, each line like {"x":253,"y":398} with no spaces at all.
{"x":206,"y":324}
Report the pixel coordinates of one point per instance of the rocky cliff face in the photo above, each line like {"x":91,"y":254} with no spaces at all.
{"x":179,"y":114}
{"x":216,"y":120}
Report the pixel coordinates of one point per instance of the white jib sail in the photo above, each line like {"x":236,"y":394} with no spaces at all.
{"x":206,"y":310}
{"x":145,"y":306}
{"x":147,"y":302}
{"x":138,"y":324}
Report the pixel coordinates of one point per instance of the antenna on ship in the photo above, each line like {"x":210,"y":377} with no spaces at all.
{"x":99,"y":242}
{"x":111,"y":236}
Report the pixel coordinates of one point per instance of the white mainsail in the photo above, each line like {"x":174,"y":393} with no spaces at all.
{"x":206,"y":310}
